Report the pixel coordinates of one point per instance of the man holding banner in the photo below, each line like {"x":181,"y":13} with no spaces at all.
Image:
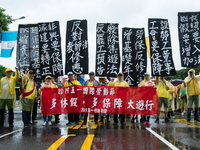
{"x":120,"y":83}
{"x":91,"y":82}
{"x":72,"y":116}
{"x":7,"y":95}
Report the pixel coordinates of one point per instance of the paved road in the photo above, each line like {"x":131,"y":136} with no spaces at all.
{"x":178,"y":134}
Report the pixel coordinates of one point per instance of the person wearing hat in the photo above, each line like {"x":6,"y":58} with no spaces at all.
{"x":163,"y":95}
{"x":8,"y":95}
{"x":91,"y":82}
{"x":170,"y":98}
{"x":193,"y":92}
{"x":120,"y":82}
{"x":71,"y":82}
{"x":146,"y":83}
{"x":28,"y":96}
{"x":49,"y":83}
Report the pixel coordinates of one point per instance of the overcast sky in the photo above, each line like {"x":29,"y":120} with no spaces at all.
{"x":128,"y":13}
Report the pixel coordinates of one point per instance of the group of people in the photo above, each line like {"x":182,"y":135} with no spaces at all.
{"x":184,"y":96}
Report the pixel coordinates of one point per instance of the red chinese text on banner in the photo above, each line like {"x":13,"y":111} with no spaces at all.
{"x":102,"y":100}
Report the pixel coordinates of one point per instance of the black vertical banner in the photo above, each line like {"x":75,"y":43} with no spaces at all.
{"x":101,"y":49}
{"x":28,"y":49}
{"x":76,"y":47}
{"x":50,"y":49}
{"x":160,"y":48}
{"x":107,"y":49}
{"x":113,"y":59}
{"x":134,"y":55}
{"x":189,"y":38}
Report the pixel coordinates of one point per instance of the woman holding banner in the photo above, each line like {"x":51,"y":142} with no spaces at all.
{"x":28,"y":96}
{"x":48,"y":84}
{"x":120,"y":83}
{"x":146,"y":83}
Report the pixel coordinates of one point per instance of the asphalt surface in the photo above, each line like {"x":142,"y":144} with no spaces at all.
{"x":178,"y":134}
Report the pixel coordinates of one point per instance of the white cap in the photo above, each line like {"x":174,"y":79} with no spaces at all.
{"x":70,"y":73}
{"x":147,"y":74}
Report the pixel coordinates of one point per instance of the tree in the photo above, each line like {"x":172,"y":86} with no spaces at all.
{"x":183,"y":73}
{"x":4,"y":18}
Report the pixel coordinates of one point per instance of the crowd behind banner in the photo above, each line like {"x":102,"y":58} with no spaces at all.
{"x":78,"y":97}
{"x":39,"y":58}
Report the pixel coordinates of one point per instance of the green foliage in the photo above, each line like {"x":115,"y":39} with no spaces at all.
{"x":183,"y":73}
{"x":4,"y":18}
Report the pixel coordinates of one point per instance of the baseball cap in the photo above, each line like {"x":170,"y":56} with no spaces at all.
{"x":147,"y":74}
{"x":70,"y":73}
{"x":91,"y":73}
{"x":8,"y":70}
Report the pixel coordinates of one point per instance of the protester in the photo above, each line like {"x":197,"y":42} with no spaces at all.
{"x":163,"y":94}
{"x":112,"y":82}
{"x":120,"y":83}
{"x":48,"y":84}
{"x":91,"y":82}
{"x":28,"y":97}
{"x":146,"y":83}
{"x":170,"y":99}
{"x":79,"y":78}
{"x":104,"y":83}
{"x":8,"y":95}
{"x":193,"y":94}
{"x":59,"y":84}
{"x":183,"y":98}
{"x":72,"y":117}
{"x":35,"y":107}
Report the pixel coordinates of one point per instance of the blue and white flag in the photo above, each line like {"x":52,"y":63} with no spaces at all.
{"x":8,"y":41}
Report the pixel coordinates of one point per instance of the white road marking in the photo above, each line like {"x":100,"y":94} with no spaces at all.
{"x":162,"y":139}
{"x":10,"y":133}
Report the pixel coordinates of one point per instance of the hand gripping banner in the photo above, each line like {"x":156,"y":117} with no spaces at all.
{"x":101,"y":100}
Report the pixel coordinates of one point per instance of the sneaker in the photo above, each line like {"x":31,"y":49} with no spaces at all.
{"x":182,"y":113}
{"x":145,"y":123}
{"x":49,"y":123}
{"x":148,"y":123}
{"x":157,"y":120}
{"x":35,"y":121}
{"x":123,"y":123}
{"x":115,"y":123}
{"x":132,"y":120}
{"x":76,"y":122}
{"x":26,"y":126}
{"x":45,"y":123}
{"x":173,"y":117}
{"x":166,"y":120}
{"x":11,"y":125}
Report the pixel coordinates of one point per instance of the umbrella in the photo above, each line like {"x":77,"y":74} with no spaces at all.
{"x":176,"y":82}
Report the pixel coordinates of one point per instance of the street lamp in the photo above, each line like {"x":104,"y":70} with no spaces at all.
{"x":7,"y":21}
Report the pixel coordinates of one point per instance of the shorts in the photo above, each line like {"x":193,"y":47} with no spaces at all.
{"x":163,"y":101}
{"x":6,"y":102}
{"x":183,"y":102}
